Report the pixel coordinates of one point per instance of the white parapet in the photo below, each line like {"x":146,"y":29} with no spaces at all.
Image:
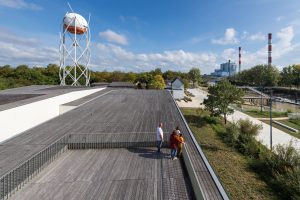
{"x":19,"y":119}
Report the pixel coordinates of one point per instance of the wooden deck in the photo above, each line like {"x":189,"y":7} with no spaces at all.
{"x":137,"y":173}
{"x":119,"y":111}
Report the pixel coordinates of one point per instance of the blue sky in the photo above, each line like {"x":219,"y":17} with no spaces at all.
{"x":140,"y":35}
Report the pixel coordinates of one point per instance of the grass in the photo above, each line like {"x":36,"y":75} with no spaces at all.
{"x":232,"y":168}
{"x":265,"y":114}
{"x":288,"y":123}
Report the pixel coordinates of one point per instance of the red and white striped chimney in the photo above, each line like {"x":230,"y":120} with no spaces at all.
{"x":269,"y":49}
{"x":240,"y":57}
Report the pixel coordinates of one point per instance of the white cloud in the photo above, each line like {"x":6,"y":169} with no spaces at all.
{"x":15,"y":50}
{"x":114,"y":37}
{"x":282,"y":47}
{"x":113,"y":55}
{"x":256,"y":37}
{"x":19,"y":4}
{"x":253,"y":37}
{"x":229,"y":54}
{"x":228,"y":38}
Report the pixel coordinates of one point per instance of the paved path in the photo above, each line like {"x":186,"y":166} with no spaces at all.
{"x":279,"y":137}
{"x":274,"y":118}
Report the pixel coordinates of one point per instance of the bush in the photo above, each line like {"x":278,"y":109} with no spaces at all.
{"x":284,"y":165}
{"x":210,"y":120}
{"x":290,"y":183}
{"x":248,"y":128}
{"x":285,"y":159}
{"x":281,"y":168}
{"x":232,"y":134}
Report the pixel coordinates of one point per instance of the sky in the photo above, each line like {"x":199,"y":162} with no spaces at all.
{"x":141,"y":35}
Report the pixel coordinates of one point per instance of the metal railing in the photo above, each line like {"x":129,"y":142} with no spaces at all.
{"x":17,"y":177}
{"x":14,"y":179}
{"x":111,"y":140}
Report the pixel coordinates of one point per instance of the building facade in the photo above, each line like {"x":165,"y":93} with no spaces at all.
{"x":177,"y":89}
{"x":226,"y":69}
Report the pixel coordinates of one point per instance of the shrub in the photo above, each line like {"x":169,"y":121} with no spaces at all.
{"x":290,"y":183}
{"x":249,"y":146}
{"x":248,"y":128}
{"x":284,"y":164}
{"x":289,"y":110}
{"x":285,"y":159}
{"x":232,"y":134}
{"x":210,"y":120}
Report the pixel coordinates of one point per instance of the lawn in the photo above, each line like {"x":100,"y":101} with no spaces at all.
{"x":239,"y":180}
{"x":265,"y":114}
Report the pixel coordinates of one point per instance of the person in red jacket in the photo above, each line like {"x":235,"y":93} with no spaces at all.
{"x":174,"y":140}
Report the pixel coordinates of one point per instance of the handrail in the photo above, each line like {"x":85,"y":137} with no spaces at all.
{"x":13,"y":179}
{"x":208,"y":166}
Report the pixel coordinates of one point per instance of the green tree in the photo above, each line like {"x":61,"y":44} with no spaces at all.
{"x":296,"y":70}
{"x":220,"y":96}
{"x":157,"y":71}
{"x":130,"y":77}
{"x":144,"y":80}
{"x":157,"y":82}
{"x":186,"y":83}
{"x":195,"y":76}
{"x":6,"y":71}
{"x":260,"y":75}
{"x":287,"y":76}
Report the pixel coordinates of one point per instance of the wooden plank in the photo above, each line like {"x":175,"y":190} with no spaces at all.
{"x":105,"y":174}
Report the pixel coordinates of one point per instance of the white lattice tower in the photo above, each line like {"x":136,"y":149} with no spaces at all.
{"x":74,"y":51}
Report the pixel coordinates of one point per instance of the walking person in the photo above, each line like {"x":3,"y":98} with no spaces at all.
{"x":159,"y":137}
{"x":174,"y":140}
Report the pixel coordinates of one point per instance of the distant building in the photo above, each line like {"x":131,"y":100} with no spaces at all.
{"x":177,"y":88}
{"x":226,"y":69}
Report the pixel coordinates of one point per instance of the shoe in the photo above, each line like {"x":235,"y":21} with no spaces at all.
{"x":174,"y":158}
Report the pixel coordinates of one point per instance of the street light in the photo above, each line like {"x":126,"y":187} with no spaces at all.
{"x":271,"y":139}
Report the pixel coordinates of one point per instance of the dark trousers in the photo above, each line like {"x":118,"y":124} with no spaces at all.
{"x":159,"y":145}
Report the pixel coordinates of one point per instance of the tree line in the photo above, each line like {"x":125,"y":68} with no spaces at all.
{"x":23,"y":75}
{"x":264,"y":75}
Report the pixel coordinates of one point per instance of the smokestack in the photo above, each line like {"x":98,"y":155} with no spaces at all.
{"x":269,"y":49}
{"x":240,"y":57}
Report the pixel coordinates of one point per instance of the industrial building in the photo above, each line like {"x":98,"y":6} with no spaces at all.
{"x":226,"y":69}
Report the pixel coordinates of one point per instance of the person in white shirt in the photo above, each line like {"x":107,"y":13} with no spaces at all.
{"x":178,"y":130}
{"x":159,"y":137}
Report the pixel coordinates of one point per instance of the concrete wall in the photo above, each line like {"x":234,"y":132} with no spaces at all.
{"x":16,"y":120}
{"x":178,"y":94}
{"x":63,"y":109}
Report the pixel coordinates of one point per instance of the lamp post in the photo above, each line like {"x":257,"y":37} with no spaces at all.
{"x":229,"y":69}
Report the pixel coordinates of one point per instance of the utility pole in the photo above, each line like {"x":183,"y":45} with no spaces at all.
{"x":271,"y":139}
{"x":229,"y":68}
